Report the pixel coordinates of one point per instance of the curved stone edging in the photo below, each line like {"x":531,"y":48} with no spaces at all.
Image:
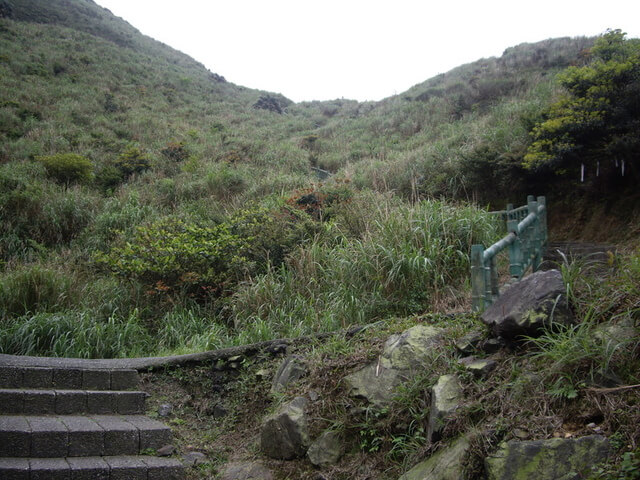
{"x":148,"y":363}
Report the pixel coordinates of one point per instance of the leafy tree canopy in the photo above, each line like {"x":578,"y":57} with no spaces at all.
{"x":597,"y":124}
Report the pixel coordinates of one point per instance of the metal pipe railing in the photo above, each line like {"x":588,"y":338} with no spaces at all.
{"x":526,"y":241}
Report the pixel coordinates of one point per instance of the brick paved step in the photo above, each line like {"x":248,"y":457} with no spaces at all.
{"x":91,"y":468}
{"x":76,"y":435}
{"x":68,"y":378}
{"x":67,"y":402}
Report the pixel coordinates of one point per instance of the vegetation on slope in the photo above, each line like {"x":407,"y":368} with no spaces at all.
{"x":148,"y":205}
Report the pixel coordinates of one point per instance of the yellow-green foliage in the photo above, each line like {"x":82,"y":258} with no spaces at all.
{"x":67,"y":167}
{"x":133,"y":160}
{"x":596,"y":123}
{"x":172,"y":255}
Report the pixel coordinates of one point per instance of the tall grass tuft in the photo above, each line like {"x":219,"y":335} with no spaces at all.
{"x":75,"y":334}
{"x":397,"y":261}
{"x":34,"y":287}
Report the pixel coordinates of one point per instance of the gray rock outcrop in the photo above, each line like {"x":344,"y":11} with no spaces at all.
{"x":402,"y":355}
{"x":446,"y":396}
{"x":446,"y":464}
{"x":529,"y":305}
{"x":553,"y":459}
{"x":284,"y":435}
{"x":327,"y":449}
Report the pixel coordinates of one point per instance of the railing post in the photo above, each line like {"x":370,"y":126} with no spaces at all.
{"x":534,"y":235}
{"x":477,"y":278}
{"x":495,"y":281}
{"x":515,"y":250}
{"x":542,"y":201}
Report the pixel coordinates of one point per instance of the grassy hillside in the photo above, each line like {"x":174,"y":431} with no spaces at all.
{"x":148,"y":205}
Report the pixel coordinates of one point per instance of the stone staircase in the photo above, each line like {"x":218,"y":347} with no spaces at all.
{"x":78,"y":423}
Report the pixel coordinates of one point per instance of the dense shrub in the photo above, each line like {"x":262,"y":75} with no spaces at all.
{"x":271,"y":234}
{"x":36,"y":212}
{"x":172,"y":256}
{"x":133,"y":160}
{"x":320,"y":200}
{"x":176,"y":151}
{"x":67,"y":168}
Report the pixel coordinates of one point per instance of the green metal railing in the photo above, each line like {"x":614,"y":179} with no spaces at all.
{"x":526,"y":240}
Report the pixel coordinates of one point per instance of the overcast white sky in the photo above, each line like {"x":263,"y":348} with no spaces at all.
{"x":359,"y":49}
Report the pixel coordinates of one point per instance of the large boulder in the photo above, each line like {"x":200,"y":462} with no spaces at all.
{"x":553,"y":459}
{"x":402,"y":355}
{"x":525,"y":308}
{"x":446,"y":464}
{"x":285,"y":435}
{"x":446,"y":396}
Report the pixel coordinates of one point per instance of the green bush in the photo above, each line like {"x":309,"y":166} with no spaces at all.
{"x":37,"y":212}
{"x":67,"y":168}
{"x":271,"y":234}
{"x":133,"y":160}
{"x":172,"y":256}
{"x":176,"y":151}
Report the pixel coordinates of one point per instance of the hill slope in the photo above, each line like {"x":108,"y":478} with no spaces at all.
{"x":143,"y":193}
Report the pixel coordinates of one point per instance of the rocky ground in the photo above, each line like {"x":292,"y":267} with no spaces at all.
{"x":428,"y":397}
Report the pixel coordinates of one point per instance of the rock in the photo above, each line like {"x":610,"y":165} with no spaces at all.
{"x":470,"y":342}
{"x":553,"y":459}
{"x":480,"y":367}
{"x":402,"y":355}
{"x":193,"y":459}
{"x":446,"y":464}
{"x":292,"y":369}
{"x":284,"y":435}
{"x":217,"y":411}
{"x":246,"y":471}
{"x":165,"y":410}
{"x":166,"y":451}
{"x":326,"y":450}
{"x":410,"y":349}
{"x":271,"y":103}
{"x":374,"y":383}
{"x":313,"y":395}
{"x":526,"y":307}
{"x":492,"y":345}
{"x":234,"y":362}
{"x":446,"y":396}
{"x":616,"y":333}
{"x":604,"y":378}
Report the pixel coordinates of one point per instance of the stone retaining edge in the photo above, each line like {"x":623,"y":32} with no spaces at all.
{"x":149,"y":363}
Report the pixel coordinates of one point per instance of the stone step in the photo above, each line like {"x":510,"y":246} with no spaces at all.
{"x":68,"y":378}
{"x":67,"y":402}
{"x":91,"y":468}
{"x":77,"y":436}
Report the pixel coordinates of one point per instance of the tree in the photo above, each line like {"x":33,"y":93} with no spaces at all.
{"x":594,"y":130}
